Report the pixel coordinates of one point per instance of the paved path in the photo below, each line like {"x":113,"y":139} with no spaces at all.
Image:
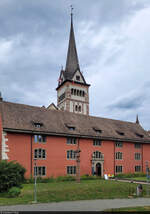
{"x":133,"y":181}
{"x":87,"y":205}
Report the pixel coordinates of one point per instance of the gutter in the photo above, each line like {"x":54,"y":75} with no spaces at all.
{"x":76,"y":135}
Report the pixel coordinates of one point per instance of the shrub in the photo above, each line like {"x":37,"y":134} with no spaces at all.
{"x":40,"y":180}
{"x":11,"y":174}
{"x":90,"y":177}
{"x":45,"y":180}
{"x":14,"y":192}
{"x":130,"y":175}
{"x":65,"y":178}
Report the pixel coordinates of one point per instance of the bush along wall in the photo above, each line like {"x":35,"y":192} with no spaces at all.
{"x":11,"y":175}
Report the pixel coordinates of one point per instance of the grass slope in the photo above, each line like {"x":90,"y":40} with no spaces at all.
{"x":130,"y":209}
{"x":70,"y":191}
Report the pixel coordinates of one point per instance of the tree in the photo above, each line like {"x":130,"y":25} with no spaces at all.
{"x":11,"y":175}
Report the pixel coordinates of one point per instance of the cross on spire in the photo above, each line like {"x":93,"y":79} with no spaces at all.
{"x":71,"y":10}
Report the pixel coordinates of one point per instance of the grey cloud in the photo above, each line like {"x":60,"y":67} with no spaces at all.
{"x":127,"y":103}
{"x":32,"y":17}
{"x":133,"y":100}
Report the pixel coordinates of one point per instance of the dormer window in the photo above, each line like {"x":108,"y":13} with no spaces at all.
{"x":70,"y":127}
{"x":38,"y":125}
{"x":120,"y":133}
{"x":97,"y":130}
{"x":139,"y":135}
{"x":78,"y":78}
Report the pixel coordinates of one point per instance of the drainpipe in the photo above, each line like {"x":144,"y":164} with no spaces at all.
{"x":142,"y":158}
{"x":78,"y":161}
{"x":114,"y":159}
{"x":31,"y":155}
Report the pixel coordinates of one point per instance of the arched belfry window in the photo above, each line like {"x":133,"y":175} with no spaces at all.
{"x":79,"y":108}
{"x":72,"y":91}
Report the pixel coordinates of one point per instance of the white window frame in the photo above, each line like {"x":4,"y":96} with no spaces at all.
{"x":119,"y":169}
{"x":39,"y":153}
{"x":71,"y":140}
{"x":119,"y":144}
{"x":71,"y":170}
{"x":96,"y":142}
{"x":119,"y":155}
{"x":39,"y":171}
{"x":71,"y":154}
{"x":138,"y":168}
{"x":137,"y":156}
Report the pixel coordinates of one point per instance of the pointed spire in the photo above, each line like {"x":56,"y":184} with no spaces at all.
{"x":72,"y":62}
{"x":137,"y":119}
{"x":1,"y":99}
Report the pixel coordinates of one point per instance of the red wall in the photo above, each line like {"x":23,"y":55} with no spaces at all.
{"x":21,"y":148}
{"x":146,"y":155}
{"x":0,"y":137}
{"x":128,"y":162}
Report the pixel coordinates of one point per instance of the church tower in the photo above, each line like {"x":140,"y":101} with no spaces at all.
{"x":72,"y":90}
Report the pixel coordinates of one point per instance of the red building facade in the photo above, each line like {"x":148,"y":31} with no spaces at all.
{"x":65,"y":139}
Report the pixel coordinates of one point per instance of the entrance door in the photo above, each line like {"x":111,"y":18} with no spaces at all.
{"x":98,"y":169}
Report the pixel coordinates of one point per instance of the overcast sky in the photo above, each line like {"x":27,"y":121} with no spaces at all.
{"x":113,"y":44}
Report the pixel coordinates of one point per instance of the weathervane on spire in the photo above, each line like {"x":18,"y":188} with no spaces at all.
{"x":71,"y":10}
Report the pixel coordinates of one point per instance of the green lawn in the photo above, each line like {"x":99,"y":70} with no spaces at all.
{"x":70,"y":191}
{"x":130,"y":209}
{"x":139,"y":179}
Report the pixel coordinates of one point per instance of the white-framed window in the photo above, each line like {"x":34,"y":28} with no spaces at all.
{"x":137,"y":168}
{"x":39,"y":138}
{"x":78,"y":108}
{"x":96,"y":142}
{"x":39,"y":153}
{"x":137,"y":156}
{"x":119,"y":144}
{"x":119,"y":169}
{"x":71,"y":140}
{"x":137,"y":145}
{"x":62,"y":97}
{"x":78,"y":77}
{"x":39,"y":170}
{"x":71,"y":170}
{"x":119,"y":155}
{"x":38,"y":125}
{"x":97,"y":154}
{"x":71,"y":154}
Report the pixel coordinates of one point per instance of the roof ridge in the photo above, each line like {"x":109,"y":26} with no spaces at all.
{"x":25,"y":105}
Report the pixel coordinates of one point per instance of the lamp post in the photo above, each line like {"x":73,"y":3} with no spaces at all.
{"x":35,"y":178}
{"x":148,"y":176}
{"x":92,"y":161}
{"x":78,"y":164}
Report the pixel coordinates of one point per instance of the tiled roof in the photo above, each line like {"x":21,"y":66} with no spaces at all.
{"x":19,"y":117}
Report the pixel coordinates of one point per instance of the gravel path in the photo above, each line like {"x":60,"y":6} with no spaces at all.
{"x":87,"y":205}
